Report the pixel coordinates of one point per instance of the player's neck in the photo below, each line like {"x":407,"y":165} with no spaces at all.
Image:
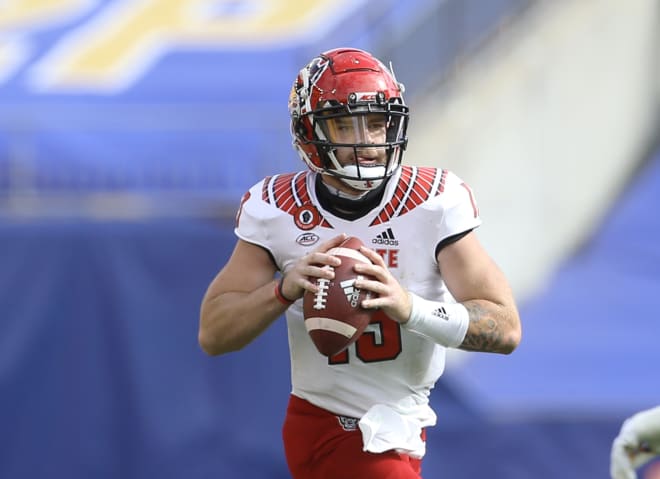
{"x":340,"y":189}
{"x":350,"y":194}
{"x":346,"y":206}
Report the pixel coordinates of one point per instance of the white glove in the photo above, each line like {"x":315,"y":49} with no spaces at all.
{"x":636,"y":444}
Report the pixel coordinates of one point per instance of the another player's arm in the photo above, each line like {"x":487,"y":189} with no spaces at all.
{"x":476,"y":281}
{"x":636,"y":444}
{"x":239,"y":304}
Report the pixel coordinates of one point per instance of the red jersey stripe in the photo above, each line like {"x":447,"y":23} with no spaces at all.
{"x":416,"y":185}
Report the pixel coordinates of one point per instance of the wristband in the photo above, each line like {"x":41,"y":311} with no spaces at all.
{"x":444,"y":323}
{"x":280,"y":296}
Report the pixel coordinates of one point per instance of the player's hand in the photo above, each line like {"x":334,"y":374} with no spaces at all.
{"x":391,"y":297}
{"x":302,"y":275}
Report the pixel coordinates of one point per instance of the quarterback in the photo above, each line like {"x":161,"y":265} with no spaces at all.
{"x":363,"y":412}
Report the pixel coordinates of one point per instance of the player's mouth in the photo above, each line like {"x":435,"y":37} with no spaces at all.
{"x":362,"y":161}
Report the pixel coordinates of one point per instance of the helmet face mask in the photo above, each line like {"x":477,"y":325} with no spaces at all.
{"x":348,"y":118}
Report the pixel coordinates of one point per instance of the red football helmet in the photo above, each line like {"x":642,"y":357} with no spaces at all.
{"x":348,"y":117}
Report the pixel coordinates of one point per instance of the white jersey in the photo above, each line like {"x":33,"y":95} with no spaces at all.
{"x":421,"y":207}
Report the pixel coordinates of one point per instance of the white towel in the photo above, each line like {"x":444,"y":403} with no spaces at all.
{"x":396,"y":427}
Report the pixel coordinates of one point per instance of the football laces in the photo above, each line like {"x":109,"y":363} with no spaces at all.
{"x":321,"y":296}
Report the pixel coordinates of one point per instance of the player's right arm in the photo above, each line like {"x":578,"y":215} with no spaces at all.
{"x":240,"y":303}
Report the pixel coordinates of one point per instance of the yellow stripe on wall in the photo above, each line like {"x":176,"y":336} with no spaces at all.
{"x":127,"y":37}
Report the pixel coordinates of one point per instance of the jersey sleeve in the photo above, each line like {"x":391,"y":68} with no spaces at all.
{"x":458,"y":208}
{"x":252,"y":217}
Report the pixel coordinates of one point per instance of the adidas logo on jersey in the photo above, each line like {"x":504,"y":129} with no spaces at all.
{"x":386,"y":238}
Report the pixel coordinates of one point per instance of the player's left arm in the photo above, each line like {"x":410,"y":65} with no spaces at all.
{"x":486,"y":318}
{"x":476,"y":282}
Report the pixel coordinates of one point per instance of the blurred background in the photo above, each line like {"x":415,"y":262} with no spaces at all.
{"x":130,"y":129}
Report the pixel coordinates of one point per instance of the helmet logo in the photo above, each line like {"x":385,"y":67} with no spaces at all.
{"x":365,"y":96}
{"x":316,"y":69}
{"x":306,"y":217}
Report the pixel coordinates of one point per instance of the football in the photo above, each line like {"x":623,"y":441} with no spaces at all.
{"x":333,"y":317}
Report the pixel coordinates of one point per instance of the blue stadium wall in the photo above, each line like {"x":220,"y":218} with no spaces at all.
{"x":100,"y":372}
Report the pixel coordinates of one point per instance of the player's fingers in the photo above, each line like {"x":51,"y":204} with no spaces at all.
{"x":370,"y":285}
{"x":391,"y":307}
{"x":308,"y":285}
{"x":381,"y":273}
{"x":307,"y":279}
{"x":319,"y":258}
{"x":373,"y":256}
{"x":320,"y":272}
{"x":331,"y":243}
{"x":385,"y":295}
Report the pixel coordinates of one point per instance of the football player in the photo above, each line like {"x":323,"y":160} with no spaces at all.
{"x":363,"y":412}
